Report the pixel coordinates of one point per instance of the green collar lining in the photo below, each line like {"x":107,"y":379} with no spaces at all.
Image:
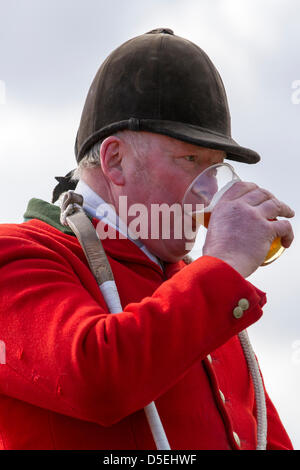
{"x":47,"y":212}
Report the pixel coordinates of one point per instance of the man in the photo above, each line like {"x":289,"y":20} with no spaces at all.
{"x":77,"y":377}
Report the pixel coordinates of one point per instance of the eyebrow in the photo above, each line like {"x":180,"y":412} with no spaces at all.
{"x":195,"y":155}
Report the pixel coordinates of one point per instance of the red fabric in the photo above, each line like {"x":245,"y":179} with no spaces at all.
{"x":77,"y":377}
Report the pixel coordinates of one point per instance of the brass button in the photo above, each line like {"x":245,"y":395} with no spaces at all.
{"x":236,"y":438}
{"x":222,"y":396}
{"x":244,"y":304}
{"x":238,"y":312}
{"x":209,"y":358}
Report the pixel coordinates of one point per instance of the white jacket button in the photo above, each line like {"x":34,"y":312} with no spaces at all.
{"x":238,"y":312}
{"x":236,"y":438}
{"x":222,"y":396}
{"x":244,"y":304}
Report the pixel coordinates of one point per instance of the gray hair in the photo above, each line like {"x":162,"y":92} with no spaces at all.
{"x":91,"y":159}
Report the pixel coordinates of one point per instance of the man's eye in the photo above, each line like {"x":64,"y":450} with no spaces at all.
{"x":190,"y":158}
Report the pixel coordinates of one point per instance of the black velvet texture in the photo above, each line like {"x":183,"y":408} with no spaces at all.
{"x":159,"y":82}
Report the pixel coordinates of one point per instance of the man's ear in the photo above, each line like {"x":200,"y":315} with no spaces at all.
{"x":111,"y":155}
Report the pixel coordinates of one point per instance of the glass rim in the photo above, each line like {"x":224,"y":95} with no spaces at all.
{"x":224,"y":164}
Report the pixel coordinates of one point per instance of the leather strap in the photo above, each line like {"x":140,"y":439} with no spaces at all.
{"x":73,"y":215}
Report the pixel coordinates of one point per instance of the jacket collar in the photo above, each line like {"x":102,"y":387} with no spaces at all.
{"x":118,"y":247}
{"x":46,"y":212}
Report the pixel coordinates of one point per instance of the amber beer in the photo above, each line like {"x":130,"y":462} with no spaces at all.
{"x":276,"y":247}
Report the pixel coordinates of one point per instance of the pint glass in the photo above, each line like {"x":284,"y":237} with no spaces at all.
{"x":206,"y":189}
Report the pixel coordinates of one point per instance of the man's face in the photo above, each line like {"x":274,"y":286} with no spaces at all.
{"x":159,"y":171}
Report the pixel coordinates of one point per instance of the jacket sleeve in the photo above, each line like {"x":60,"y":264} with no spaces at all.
{"x":65,"y":353}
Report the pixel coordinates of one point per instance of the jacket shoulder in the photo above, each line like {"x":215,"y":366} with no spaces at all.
{"x":36,"y":239}
{"x":32,"y":228}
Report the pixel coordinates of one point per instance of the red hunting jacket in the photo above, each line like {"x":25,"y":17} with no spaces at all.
{"x":77,"y":377}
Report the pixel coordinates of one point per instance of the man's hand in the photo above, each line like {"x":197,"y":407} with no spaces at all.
{"x":239,"y":231}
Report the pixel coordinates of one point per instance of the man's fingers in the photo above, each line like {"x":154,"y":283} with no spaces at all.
{"x":272,"y":208}
{"x":253,"y":195}
{"x":283,"y":229}
{"x":257,"y":196}
{"x":238,"y":189}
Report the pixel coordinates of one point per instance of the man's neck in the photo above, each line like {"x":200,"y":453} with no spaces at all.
{"x":97,"y":207}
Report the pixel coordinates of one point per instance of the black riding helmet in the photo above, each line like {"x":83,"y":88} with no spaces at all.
{"x":162,"y":83}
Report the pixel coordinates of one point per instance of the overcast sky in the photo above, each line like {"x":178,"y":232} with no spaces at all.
{"x":49,"y":54}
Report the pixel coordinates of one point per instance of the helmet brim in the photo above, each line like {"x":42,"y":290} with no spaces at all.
{"x":178,"y":130}
{"x":202,"y":137}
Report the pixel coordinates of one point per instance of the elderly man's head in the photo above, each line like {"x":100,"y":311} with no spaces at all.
{"x":148,"y":169}
{"x":151,"y":87}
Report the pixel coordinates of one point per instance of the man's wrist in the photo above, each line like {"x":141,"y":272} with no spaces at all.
{"x":236,"y":264}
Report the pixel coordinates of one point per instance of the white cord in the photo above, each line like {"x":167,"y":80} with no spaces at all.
{"x":111,"y":296}
{"x":261,"y":410}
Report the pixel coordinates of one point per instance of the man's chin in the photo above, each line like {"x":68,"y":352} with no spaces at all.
{"x":170,"y":251}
